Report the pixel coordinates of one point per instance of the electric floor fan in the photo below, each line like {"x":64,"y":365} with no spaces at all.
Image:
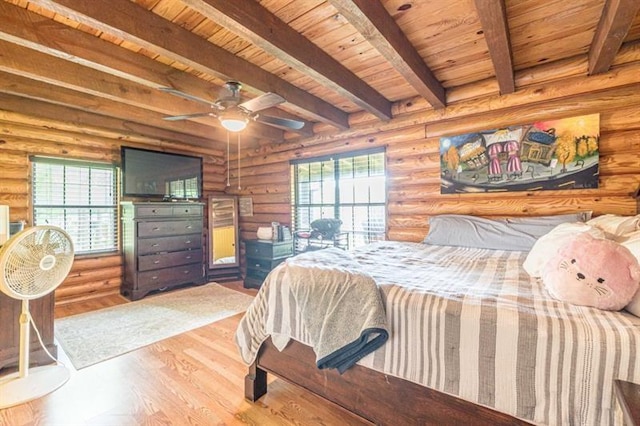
{"x":33,"y":263}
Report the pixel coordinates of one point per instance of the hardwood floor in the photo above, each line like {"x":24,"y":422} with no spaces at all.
{"x":195,"y":378}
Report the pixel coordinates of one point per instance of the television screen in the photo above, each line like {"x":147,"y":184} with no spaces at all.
{"x":159,"y":174}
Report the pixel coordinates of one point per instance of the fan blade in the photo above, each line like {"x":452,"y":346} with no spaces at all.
{"x":187,"y":116}
{"x":46,"y":242}
{"x":262,"y":102}
{"x":177,"y":92}
{"x":281,"y":123}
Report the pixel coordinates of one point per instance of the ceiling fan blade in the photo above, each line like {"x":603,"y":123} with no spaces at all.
{"x":265,"y":101}
{"x":187,"y":116}
{"x":281,"y":123}
{"x":177,"y":92}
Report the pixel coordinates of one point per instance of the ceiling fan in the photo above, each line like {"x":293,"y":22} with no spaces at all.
{"x":234,"y":114}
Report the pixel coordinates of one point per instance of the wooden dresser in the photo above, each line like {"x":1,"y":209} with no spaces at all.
{"x":41,"y":310}
{"x":161,"y":246}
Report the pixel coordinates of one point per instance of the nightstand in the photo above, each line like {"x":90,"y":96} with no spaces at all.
{"x":261,"y":256}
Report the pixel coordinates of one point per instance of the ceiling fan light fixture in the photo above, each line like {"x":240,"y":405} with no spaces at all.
{"x":233,"y":122}
{"x":234,"y":114}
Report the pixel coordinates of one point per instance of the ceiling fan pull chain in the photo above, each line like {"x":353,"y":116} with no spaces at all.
{"x":239,"y":187}
{"x":228,"y":164}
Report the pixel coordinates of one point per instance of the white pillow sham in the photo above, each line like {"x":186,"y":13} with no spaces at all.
{"x":616,"y":225}
{"x":547,"y":246}
{"x":632,"y":242}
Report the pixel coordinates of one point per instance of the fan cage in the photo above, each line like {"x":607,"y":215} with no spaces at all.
{"x":35,"y":261}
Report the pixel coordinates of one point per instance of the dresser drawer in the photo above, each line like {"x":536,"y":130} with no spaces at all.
{"x":177,"y":243}
{"x":169,"y":227}
{"x":189,"y":210}
{"x":170,"y":277}
{"x":166,"y":260}
{"x":266,"y":264}
{"x":252,"y":282}
{"x":153,"y":211}
{"x":257,"y":274}
{"x":268,"y":250}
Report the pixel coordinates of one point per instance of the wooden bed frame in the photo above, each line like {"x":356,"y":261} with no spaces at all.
{"x":374,"y":396}
{"x":384,"y":399}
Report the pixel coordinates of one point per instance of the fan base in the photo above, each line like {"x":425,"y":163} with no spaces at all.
{"x":38,"y":382}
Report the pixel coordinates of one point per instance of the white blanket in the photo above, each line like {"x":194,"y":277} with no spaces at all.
{"x":340,"y":305}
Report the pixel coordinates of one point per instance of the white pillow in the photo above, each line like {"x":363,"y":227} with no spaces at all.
{"x":632,"y":242}
{"x":547,"y":246}
{"x":616,"y":225}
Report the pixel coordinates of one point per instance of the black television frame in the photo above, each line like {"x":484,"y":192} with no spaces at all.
{"x":168,"y":155}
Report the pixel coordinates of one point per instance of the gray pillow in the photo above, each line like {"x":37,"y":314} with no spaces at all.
{"x":513,"y":233}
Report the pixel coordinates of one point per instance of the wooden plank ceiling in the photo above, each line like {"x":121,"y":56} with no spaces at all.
{"x":100,"y":60}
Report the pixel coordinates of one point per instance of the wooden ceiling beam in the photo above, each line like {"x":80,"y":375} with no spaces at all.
{"x":493,"y":17}
{"x":38,"y":66}
{"x":615,"y":22}
{"x":252,"y":22}
{"x":132,"y":23}
{"x":83,"y":119}
{"x":44,"y":35}
{"x":18,"y":85}
{"x":373,"y":21}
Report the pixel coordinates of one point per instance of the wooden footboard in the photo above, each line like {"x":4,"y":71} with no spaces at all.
{"x":377,"y":397}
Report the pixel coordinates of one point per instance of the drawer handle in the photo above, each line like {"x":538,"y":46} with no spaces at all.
{"x":154,"y":277}
{"x":155,"y":262}
{"x":156,"y":229}
{"x":155,"y":245}
{"x":154,"y":211}
{"x":187,"y":272}
{"x":189,"y":226}
{"x":188,"y":257}
{"x":188,"y":242}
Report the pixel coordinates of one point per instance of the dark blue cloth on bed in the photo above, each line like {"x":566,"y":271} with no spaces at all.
{"x":345,"y":357}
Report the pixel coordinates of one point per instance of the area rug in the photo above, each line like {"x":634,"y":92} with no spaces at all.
{"x":96,"y":336}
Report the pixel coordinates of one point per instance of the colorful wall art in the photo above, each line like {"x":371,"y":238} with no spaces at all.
{"x":552,"y":154}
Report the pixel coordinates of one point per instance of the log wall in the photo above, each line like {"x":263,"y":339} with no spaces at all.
{"x":412,"y":152}
{"x":411,"y":140}
{"x":22,"y":136}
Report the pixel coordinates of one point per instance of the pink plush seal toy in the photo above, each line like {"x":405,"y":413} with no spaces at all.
{"x":595,"y":272}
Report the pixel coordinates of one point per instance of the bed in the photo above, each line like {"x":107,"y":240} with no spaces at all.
{"x":473,"y":339}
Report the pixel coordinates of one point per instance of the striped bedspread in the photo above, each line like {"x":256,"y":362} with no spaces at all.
{"x":471,"y":323}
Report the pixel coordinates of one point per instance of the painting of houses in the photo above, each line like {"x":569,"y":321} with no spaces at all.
{"x":552,"y":154}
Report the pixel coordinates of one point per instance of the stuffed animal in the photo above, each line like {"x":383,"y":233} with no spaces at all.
{"x":594,"y":272}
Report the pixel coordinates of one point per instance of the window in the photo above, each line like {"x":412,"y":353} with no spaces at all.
{"x":183,"y":188}
{"x":350,"y":187}
{"x":78,"y":197}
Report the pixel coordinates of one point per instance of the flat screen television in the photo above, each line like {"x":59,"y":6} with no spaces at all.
{"x":154,"y":174}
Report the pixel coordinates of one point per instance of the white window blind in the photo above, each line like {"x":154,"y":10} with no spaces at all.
{"x":80,"y":198}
